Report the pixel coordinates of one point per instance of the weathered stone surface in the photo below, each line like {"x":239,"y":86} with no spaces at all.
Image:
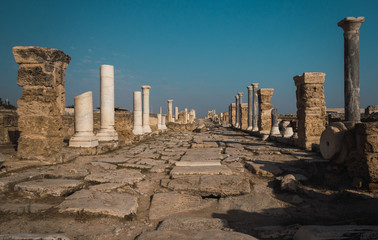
{"x":128,"y":176}
{"x":106,"y":187}
{"x":337,"y":232}
{"x":265,"y":170}
{"x":192,"y":224}
{"x":194,"y":235}
{"x":289,"y":183}
{"x":204,"y":145}
{"x":112,"y":204}
{"x":169,"y":204}
{"x":9,"y":181}
{"x":49,"y":187}
{"x":198,"y":163}
{"x":265,"y":108}
{"x":113,"y":160}
{"x":201,"y":170}
{"x":106,"y":166}
{"x":21,"y":208}
{"x":33,"y":236}
{"x":211,"y":185}
{"x":39,"y":55}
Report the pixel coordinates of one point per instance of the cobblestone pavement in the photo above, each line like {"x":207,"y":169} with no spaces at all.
{"x":178,"y":185}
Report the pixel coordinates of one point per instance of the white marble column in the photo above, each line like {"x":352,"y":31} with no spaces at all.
{"x":176,"y":114}
{"x":159,"y":122}
{"x":163,"y":117}
{"x":146,"y":109}
{"x":255,"y":113}
{"x":240,"y":109}
{"x":237,"y":111}
{"x":107,"y":131}
{"x":186,"y":116}
{"x":250,"y":107}
{"x":84,"y":136}
{"x":138,"y":128}
{"x":170,"y":118}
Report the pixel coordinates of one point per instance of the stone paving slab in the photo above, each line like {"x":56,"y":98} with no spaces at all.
{"x":7,"y":182}
{"x":192,"y":224}
{"x":200,"y":170}
{"x":104,"y":165}
{"x":33,"y":236}
{"x":49,"y":187}
{"x":212,"y":185}
{"x":113,"y":160}
{"x":198,"y":163}
{"x":204,"y":145}
{"x":95,"y":202}
{"x":136,"y":166}
{"x":169,"y":204}
{"x":337,"y":232}
{"x":265,"y":170}
{"x":194,"y":235}
{"x":106,"y":187}
{"x":128,"y":176}
{"x":20,"y":208}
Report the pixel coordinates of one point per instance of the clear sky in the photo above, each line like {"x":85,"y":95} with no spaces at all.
{"x":198,"y":53}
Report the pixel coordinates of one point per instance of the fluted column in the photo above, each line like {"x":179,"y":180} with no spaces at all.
{"x":84,"y":136}
{"x":255,"y":114}
{"x":250,"y":88}
{"x":138,"y":127}
{"x":351,"y":26}
{"x":146,"y":109}
{"x":170,"y":119}
{"x":107,"y":131}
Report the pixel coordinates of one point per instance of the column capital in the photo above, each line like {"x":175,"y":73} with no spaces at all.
{"x":249,"y":88}
{"x":35,"y":55}
{"x":170,"y":101}
{"x":255,"y":85}
{"x":240,"y":94}
{"x":146,"y":87}
{"x":351,"y":24}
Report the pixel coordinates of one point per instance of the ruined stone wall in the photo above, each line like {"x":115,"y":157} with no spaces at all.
{"x":226,"y":117}
{"x":311,"y":111}
{"x":8,"y":127}
{"x":265,"y":110}
{"x":232,"y":113}
{"x":244,"y":116}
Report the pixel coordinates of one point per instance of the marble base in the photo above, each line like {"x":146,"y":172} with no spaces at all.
{"x":85,"y":139}
{"x":275,"y":131}
{"x":105,"y":135}
{"x":138,"y":130}
{"x":249,"y":128}
{"x":147,"y":129}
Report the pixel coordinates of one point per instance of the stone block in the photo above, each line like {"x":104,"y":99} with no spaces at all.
{"x":40,"y":125}
{"x":34,"y":55}
{"x":34,"y":75}
{"x":49,"y":187}
{"x":38,"y":147}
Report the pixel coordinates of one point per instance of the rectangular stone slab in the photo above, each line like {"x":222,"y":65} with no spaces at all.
{"x":198,"y":163}
{"x":49,"y":187}
{"x":200,"y":170}
{"x":7,"y":182}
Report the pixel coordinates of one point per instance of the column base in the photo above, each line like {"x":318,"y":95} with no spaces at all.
{"x":106,"y":135}
{"x":249,"y":128}
{"x":147,"y":129}
{"x":255,"y":129}
{"x":237,"y":126}
{"x":85,"y":140}
{"x":138,"y":130}
{"x":275,"y":131}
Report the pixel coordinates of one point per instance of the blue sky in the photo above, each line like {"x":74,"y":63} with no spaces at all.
{"x":198,"y":53}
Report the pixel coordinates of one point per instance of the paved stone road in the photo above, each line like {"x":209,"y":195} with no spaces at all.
{"x":174,"y":186}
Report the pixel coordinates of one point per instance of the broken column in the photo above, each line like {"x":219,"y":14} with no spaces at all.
{"x":232,"y":113}
{"x":84,"y":136}
{"x":41,"y":106}
{"x":237,"y":112}
{"x":311,"y":112}
{"x":170,"y":119}
{"x":107,"y":131}
{"x":159,"y":122}
{"x":186,"y":116}
{"x":138,"y":127}
{"x":146,"y":109}
{"x":240,"y":94}
{"x":275,"y":131}
{"x":163,"y":126}
{"x":255,"y":127}
{"x":351,"y":26}
{"x":265,"y":109}
{"x":250,"y":107}
{"x":176,"y":114}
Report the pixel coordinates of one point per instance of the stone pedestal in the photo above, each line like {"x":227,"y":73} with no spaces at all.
{"x":250,"y":108}
{"x":163,"y":126}
{"x":275,"y":131}
{"x":265,"y":109}
{"x":107,"y":131}
{"x":84,"y":136}
{"x":146,"y":109}
{"x":311,"y":112}
{"x":138,"y":127}
{"x":244,"y":116}
{"x":351,"y":26}
{"x":159,"y":122}
{"x":170,"y":118}
{"x":176,"y":114}
{"x":255,"y":114}
{"x":41,"y":106}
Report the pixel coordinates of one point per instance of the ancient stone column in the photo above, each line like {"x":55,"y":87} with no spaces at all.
{"x":275,"y":129}
{"x":159,"y":121}
{"x":240,"y":108}
{"x":265,"y":110}
{"x":163,"y":117}
{"x":41,"y":74}
{"x":84,"y":136}
{"x":237,"y":125}
{"x":255,"y":127}
{"x":170,"y":119}
{"x":107,"y":131}
{"x":250,"y":88}
{"x":146,"y":109}
{"x":176,"y":114}
{"x":232,"y":112}
{"x":351,"y":26}
{"x":185,"y":115}
{"x":138,"y":127}
{"x":311,"y":112}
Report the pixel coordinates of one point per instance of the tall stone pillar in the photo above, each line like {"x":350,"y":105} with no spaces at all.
{"x":163,"y":126}
{"x":146,"y":109}
{"x":240,"y":109}
{"x":232,"y":112}
{"x":237,"y":112}
{"x":107,"y":131}
{"x":176,"y":114}
{"x":265,"y":112}
{"x":170,"y":119}
{"x":41,"y":75}
{"x":138,"y":127}
{"x":159,"y":122}
{"x":275,"y":131}
{"x":255,"y":127}
{"x":249,"y":128}
{"x":84,"y":136}
{"x":311,"y":111}
{"x":351,"y":26}
{"x":186,"y":116}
